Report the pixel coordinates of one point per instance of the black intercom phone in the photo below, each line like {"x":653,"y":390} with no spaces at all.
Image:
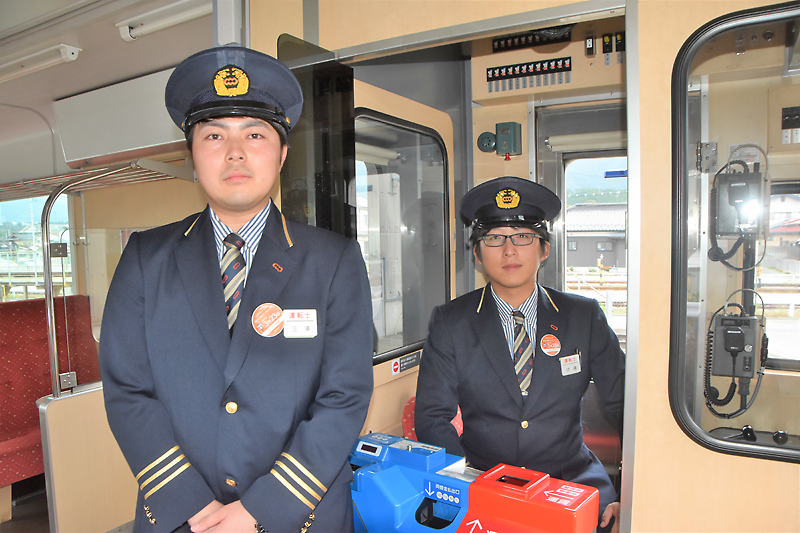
{"x":736,"y":347}
{"x":736,"y":344}
{"x":737,"y":210}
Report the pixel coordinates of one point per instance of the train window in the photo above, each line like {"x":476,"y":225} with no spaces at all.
{"x":21,"y":257}
{"x":596,"y":209}
{"x":779,"y":277}
{"x":735,"y":327}
{"x":400,"y":191}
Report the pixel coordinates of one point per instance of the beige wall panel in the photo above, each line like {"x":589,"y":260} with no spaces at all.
{"x":352,"y":22}
{"x":270,"y":18}
{"x":787,"y":94}
{"x":737,"y":114}
{"x":5,"y":504}
{"x":143,"y":205}
{"x":677,"y":484}
{"x":389,"y":397}
{"x":589,"y":75}
{"x":377,"y":99}
{"x":761,"y":55}
{"x":489,"y":165}
{"x":92,"y":488}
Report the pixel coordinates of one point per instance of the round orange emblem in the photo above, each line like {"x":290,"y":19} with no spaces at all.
{"x":268,"y":320}
{"x":550,"y":345}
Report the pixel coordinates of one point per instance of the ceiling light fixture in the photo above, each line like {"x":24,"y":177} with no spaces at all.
{"x":584,"y":142}
{"x":60,"y":53}
{"x":163,"y":18}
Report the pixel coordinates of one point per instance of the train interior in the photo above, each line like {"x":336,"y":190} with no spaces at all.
{"x":392,"y":135}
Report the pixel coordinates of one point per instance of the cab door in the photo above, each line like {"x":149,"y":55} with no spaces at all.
{"x":372,"y":165}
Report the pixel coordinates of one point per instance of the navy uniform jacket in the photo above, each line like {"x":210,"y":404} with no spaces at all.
{"x":466,"y":363}
{"x":201,"y":415}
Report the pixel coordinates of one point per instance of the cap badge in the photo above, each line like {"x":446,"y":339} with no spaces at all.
{"x":507,"y":199}
{"x":231,"y":81}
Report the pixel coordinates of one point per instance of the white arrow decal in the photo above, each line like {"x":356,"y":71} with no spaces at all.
{"x":429,"y":491}
{"x":474,"y":523}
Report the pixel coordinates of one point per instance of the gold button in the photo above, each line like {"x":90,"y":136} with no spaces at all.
{"x":231,"y":407}
{"x":524,"y":424}
{"x":231,"y":482}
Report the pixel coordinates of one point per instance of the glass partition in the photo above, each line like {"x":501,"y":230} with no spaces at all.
{"x":400,"y":190}
{"x":735,"y":327}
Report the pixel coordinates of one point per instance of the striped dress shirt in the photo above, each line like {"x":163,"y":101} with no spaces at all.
{"x":528,"y":308}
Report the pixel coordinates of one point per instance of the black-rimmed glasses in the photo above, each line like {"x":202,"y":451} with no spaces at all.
{"x":517,"y":239}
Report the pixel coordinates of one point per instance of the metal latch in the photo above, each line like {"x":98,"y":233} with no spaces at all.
{"x":68,"y":380}
{"x":707,"y":158}
{"x":58,"y":249}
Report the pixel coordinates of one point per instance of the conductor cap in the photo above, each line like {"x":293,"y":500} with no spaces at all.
{"x":233,"y":81}
{"x":509,"y":201}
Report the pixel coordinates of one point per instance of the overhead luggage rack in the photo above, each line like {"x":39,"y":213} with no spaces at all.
{"x":138,"y":171}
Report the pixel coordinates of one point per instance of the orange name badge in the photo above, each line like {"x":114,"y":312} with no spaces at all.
{"x":550,"y":345}
{"x":268,"y":320}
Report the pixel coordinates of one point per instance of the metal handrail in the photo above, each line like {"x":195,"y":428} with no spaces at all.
{"x":48,"y":274}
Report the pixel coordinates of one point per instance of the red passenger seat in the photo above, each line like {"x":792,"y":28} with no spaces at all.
{"x":25,"y":364}
{"x":409,"y":429}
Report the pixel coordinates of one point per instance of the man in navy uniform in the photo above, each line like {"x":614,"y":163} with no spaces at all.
{"x":516,"y":357}
{"x":236,"y":348}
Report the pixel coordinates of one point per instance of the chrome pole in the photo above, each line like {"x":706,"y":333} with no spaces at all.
{"x":48,"y":274}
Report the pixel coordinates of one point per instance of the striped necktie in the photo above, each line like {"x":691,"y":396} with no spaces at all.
{"x":523,"y":352}
{"x":233,"y":273}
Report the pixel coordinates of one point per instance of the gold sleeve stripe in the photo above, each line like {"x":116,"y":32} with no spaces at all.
{"x":551,"y":300}
{"x":291,"y":489}
{"x":299,"y":481}
{"x":154,"y":463}
{"x":170,"y":478}
{"x":160,"y":472}
{"x":305,"y":471}
{"x":286,"y":231}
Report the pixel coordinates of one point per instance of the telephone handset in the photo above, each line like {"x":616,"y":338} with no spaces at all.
{"x":736,"y":346}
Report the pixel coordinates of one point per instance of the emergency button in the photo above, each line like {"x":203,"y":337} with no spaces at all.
{"x":231,"y":482}
{"x":524,"y":424}
{"x":231,"y":407}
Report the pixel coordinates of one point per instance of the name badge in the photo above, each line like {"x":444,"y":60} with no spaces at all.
{"x":570,"y":364}
{"x":300,"y":323}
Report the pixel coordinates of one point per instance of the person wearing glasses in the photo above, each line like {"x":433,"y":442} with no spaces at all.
{"x":517,"y":357}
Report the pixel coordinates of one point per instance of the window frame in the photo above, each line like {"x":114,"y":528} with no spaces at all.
{"x":396,"y":122}
{"x":680,"y":209}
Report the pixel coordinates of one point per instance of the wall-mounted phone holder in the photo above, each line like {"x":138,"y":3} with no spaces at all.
{"x":740,"y":207}
{"x":509,"y":138}
{"x":506,"y":140}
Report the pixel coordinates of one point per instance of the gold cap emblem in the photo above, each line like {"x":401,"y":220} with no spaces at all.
{"x":231,"y":81}
{"x":507,"y":199}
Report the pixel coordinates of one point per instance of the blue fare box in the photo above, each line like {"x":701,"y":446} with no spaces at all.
{"x":404,"y":485}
